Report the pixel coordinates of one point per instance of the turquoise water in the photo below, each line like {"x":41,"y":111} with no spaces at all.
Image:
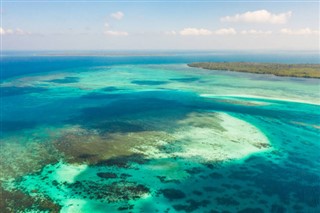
{"x":150,"y":134}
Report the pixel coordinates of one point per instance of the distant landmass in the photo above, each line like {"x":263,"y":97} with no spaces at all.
{"x":289,"y":70}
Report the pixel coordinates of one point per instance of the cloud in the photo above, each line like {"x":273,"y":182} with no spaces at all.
{"x":110,"y":32}
{"x":255,"y":32}
{"x":195,"y":32}
{"x":225,"y":31}
{"x":259,"y":16}
{"x":17,"y":31}
{"x":6,"y":31}
{"x":116,"y":33}
{"x":117,"y":15}
{"x":172,"y":33}
{"x":2,"y":31}
{"x":206,"y":32}
{"x":302,"y":31}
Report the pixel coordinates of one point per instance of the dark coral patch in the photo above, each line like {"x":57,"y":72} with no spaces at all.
{"x":125,"y":208}
{"x":123,"y":161}
{"x":149,"y":82}
{"x":173,"y":194}
{"x":216,"y":175}
{"x":86,"y":156}
{"x":251,"y":210}
{"x":194,"y":171}
{"x":227,"y":201}
{"x":12,"y":91}
{"x":184,"y":80}
{"x":191,"y":206}
{"x":114,"y":192}
{"x":163,"y":179}
{"x":66,"y":80}
{"x":246,"y":193}
{"x":196,"y":192}
{"x":107,"y":175}
{"x":213,"y":189}
{"x":278,"y":208}
{"x":110,"y":89}
{"x":124,"y":176}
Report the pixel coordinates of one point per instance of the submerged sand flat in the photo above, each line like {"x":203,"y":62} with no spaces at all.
{"x":237,"y":139}
{"x":210,"y":137}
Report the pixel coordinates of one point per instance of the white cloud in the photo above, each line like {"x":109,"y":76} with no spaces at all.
{"x":117,"y":15}
{"x":20,"y":32}
{"x":195,"y":32}
{"x":2,"y":31}
{"x":110,"y":32}
{"x":116,"y":33}
{"x":302,"y":31}
{"x":6,"y":31}
{"x":205,"y":32}
{"x":172,"y":33}
{"x":17,"y":31}
{"x":259,"y":16}
{"x":9,"y":31}
{"x":225,"y":31}
{"x":255,"y":32}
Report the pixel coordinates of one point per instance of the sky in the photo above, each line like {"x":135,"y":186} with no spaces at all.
{"x":160,"y":24}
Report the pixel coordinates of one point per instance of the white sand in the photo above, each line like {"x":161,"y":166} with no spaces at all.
{"x":238,"y":140}
{"x":315,"y":102}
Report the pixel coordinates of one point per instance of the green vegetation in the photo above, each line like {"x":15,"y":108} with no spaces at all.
{"x":291,"y":70}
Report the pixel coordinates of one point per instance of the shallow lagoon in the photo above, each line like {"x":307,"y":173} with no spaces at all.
{"x":159,"y":138}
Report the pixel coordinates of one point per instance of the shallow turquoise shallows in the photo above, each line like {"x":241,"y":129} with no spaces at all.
{"x":150,"y":134}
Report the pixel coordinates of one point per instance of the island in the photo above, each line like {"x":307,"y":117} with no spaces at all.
{"x":289,"y":70}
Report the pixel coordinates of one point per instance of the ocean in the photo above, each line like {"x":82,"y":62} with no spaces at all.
{"x":140,"y":131}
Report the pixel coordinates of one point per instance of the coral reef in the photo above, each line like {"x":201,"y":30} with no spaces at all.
{"x":17,"y":201}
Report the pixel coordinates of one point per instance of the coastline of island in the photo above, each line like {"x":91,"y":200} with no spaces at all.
{"x":278,"y":69}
